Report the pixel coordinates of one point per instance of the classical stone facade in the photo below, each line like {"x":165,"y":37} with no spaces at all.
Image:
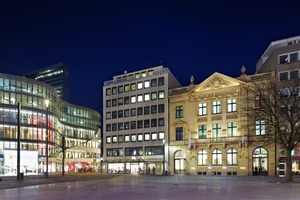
{"x":210,"y":135}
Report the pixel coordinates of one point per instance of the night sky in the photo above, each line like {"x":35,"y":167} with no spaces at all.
{"x":101,"y":38}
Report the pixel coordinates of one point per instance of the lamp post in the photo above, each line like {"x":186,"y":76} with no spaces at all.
{"x":164,"y":141}
{"x":47,"y":136}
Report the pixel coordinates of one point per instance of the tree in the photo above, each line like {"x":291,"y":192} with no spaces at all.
{"x":277,"y":103}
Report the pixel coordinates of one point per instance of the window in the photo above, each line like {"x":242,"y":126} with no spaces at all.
{"x":161,"y":108}
{"x":257,"y":102}
{"x":108,"y":139}
{"x":126,"y":138}
{"x":179,"y":133}
{"x":161,"y":135}
{"x":114,"y":126}
{"x":179,"y":111}
{"x":137,"y":75}
{"x":153,"y":82}
{"x":108,"y":91}
{"x":202,"y":109}
{"x":126,"y":88}
{"x":108,"y":103}
{"x":126,"y":100}
{"x":120,"y":139}
{"x":120,"y":114}
{"x":202,"y":157}
{"x":217,"y":131}
{"x":283,"y":59}
{"x":126,"y":125}
{"x":140,"y":124}
{"x":154,"y":109}
{"x":216,"y":157}
{"x":120,"y":89}
{"x":294,"y":57}
{"x":126,"y":113}
{"x":120,"y":101}
{"x":133,"y":99}
{"x":161,"y":81}
{"x":231,"y":156}
{"x":114,"y":139}
{"x":283,"y":76}
{"x":202,"y":131}
{"x":140,"y":85}
{"x":132,"y":86}
{"x":108,"y":127}
{"x":294,"y":74}
{"x":114,"y":102}
{"x":231,"y":129}
{"x":154,"y":136}
{"x":133,"y":112}
{"x":133,"y":125}
{"x":120,"y":126}
{"x":147,"y":97}
{"x":147,"y":84}
{"x":161,"y":122}
{"x":153,"y":122}
{"x":114,"y":114}
{"x":114,"y":90}
{"x":147,"y":123}
{"x":161,"y":94}
{"x":108,"y":115}
{"x":260,"y":127}
{"x":133,"y":138}
{"x":140,"y":111}
{"x":153,"y":96}
{"x":140,"y":98}
{"x":140,"y":137}
{"x":231,"y":107}
{"x":147,"y":136}
{"x":216,"y":107}
{"x":146,"y":110}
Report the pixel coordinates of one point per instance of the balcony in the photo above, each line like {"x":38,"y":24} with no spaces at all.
{"x":220,"y":140}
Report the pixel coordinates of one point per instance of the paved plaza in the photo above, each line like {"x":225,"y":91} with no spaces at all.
{"x":131,"y":187}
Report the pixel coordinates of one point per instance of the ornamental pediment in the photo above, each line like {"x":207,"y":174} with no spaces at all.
{"x":179,"y":122}
{"x":217,"y":81}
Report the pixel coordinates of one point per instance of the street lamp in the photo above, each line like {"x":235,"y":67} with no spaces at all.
{"x":47,"y":136}
{"x":164,"y":141}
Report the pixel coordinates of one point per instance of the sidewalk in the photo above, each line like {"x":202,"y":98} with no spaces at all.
{"x":30,"y":180}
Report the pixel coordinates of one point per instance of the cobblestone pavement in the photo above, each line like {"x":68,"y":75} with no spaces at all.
{"x":115,"y":187}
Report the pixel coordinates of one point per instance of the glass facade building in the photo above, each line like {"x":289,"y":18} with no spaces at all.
{"x":79,"y":126}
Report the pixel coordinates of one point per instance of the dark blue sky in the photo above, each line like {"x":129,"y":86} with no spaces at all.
{"x":101,"y":38}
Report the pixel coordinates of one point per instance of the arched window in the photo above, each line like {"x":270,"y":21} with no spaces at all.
{"x":217,"y":157}
{"x":202,"y":157}
{"x":231,"y":156}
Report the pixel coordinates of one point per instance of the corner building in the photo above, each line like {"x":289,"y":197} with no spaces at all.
{"x":210,"y":135}
{"x":79,"y":126}
{"x":136,"y":121}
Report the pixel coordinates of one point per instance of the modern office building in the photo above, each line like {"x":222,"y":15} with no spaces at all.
{"x":209,"y":133}
{"x":136,"y":121}
{"x":40,"y":103}
{"x":283,"y":57}
{"x":55,"y":75}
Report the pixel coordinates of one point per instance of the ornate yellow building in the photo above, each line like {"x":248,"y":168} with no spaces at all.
{"x":210,"y":135}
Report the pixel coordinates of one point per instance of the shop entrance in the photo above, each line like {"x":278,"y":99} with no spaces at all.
{"x":260,"y":162}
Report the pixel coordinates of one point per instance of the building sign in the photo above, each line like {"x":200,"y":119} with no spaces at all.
{"x":28,"y":162}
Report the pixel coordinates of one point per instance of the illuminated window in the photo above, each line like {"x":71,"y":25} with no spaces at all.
{"x":231,"y":156}
{"x":202,"y":157}
{"x":231,"y":107}
{"x":216,"y":157}
{"x":260,"y":127}
{"x":202,"y":109}
{"x":216,"y":107}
